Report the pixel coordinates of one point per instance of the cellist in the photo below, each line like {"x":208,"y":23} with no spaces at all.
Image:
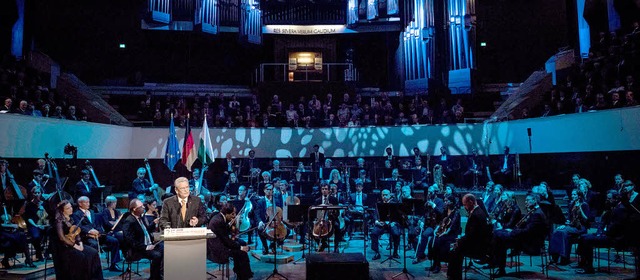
{"x":261,"y":218}
{"x":327,"y":199}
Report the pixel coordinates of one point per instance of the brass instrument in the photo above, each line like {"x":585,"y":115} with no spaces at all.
{"x":437,"y":176}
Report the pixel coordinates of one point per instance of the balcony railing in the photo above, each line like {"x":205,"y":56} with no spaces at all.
{"x":330,"y":72}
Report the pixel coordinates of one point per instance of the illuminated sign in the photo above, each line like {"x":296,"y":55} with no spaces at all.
{"x":305,"y":29}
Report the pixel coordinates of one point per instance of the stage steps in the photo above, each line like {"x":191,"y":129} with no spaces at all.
{"x":281,"y":258}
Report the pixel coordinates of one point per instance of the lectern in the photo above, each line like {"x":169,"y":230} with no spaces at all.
{"x":185,"y":253}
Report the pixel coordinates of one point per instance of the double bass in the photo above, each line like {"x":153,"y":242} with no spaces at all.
{"x":16,"y":192}
{"x":93,"y":173}
{"x":59,"y":194}
{"x":157,"y":192}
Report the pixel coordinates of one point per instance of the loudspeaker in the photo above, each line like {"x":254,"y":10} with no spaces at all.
{"x":337,"y":266}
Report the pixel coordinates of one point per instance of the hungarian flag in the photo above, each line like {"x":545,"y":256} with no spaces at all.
{"x":189,"y":153}
{"x":205,"y":151}
{"x":172,"y":153}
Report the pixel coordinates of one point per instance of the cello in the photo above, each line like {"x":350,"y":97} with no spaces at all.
{"x":274,"y":229}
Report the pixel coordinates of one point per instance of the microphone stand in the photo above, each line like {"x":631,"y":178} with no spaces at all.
{"x":275,"y":253}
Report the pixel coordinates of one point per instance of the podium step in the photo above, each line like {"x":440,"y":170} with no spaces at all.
{"x":279,"y":259}
{"x":293,"y":247}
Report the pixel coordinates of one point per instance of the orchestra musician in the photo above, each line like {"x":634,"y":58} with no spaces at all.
{"x":139,"y":242}
{"x":316,"y":158}
{"x":380,"y":228}
{"x":141,"y":186}
{"x":416,"y":154}
{"x":631,"y":201}
{"x":445,"y":234}
{"x":529,"y":234}
{"x":494,"y":198}
{"x":618,"y":180}
{"x":220,"y":248}
{"x":111,"y":218}
{"x":183,"y":209}
{"x":261,"y":218}
{"x":475,"y":241}
{"x":37,"y":221}
{"x":564,"y":235}
{"x":507,"y":214}
{"x":434,"y":210}
{"x":505,"y":168}
{"x":37,"y":180}
{"x":388,"y":155}
{"x":151,"y":217}
{"x":472,"y":175}
{"x":326,"y":199}
{"x":71,"y":258}
{"x":336,"y":179}
{"x":85,"y":187}
{"x":357,"y":202}
{"x":444,"y":160}
{"x":93,"y":234}
{"x":195,"y":181}
{"x":243,"y":195}
{"x":251,"y":166}
{"x":421,"y":178}
{"x":609,"y":234}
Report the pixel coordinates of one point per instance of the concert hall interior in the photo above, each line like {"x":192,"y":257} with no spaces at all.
{"x":319,"y":139}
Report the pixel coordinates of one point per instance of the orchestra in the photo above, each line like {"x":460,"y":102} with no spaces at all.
{"x":495,"y":222}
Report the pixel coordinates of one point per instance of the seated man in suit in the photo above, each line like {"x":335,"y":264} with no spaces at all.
{"x":474,"y":243}
{"x":92,"y":232}
{"x":223,"y":246}
{"x":529,"y":234}
{"x":138,"y":243}
{"x":381,"y":227}
{"x":86,"y":186}
{"x":357,"y":201}
{"x":183,"y":209}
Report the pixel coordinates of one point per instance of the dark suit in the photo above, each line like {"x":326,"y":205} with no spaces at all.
{"x":134,"y":246}
{"x":333,"y":217}
{"x":317,"y":160}
{"x":260,"y":215}
{"x":81,"y":189}
{"x":474,"y":243}
{"x":172,"y":218}
{"x":393,"y":228}
{"x":429,"y":227}
{"x":94,"y":222}
{"x":205,"y":185}
{"x":220,"y":248}
{"x":140,"y":187}
{"x":529,"y":237}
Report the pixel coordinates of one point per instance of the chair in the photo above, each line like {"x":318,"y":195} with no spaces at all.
{"x":540,"y":251}
{"x":222,"y":266}
{"x":127,"y":263}
{"x":470,"y":265}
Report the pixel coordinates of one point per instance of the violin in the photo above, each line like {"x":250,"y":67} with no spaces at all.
{"x":73,"y":233}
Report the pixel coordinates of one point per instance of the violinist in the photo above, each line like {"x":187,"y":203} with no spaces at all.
{"x":37,"y":222}
{"x":37,"y":180}
{"x":220,"y":248}
{"x":72,"y":260}
{"x":261,"y":218}
{"x":508,"y":213}
{"x":434,"y":209}
{"x":381,"y":228}
{"x":93,"y":234}
{"x":151,"y":216}
{"x":326,"y":199}
{"x":445,"y":234}
{"x":528,"y":234}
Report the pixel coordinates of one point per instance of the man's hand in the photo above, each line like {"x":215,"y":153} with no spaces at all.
{"x":150,"y":247}
{"x":78,"y":247}
{"x":94,"y":232}
{"x":244,"y":248}
{"x":193,"y":222}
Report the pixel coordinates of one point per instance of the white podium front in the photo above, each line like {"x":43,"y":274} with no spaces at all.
{"x":185,"y":253}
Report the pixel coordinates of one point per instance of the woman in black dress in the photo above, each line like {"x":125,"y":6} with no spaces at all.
{"x":75,"y":261}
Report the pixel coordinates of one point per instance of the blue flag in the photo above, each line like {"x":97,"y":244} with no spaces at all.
{"x":172,"y":153}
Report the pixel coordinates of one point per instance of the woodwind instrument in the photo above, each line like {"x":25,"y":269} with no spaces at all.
{"x":525,"y":218}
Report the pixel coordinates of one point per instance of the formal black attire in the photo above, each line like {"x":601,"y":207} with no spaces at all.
{"x":393,"y":228}
{"x":450,"y":228}
{"x":136,"y":240}
{"x":474,"y":243}
{"x":317,"y":160}
{"x":140,"y":186}
{"x":509,"y":216}
{"x":609,"y":235}
{"x":220,"y":248}
{"x":205,"y":185}
{"x":86,"y":188}
{"x":93,"y":221}
{"x":11,"y":242}
{"x":358,"y":201}
{"x":260,"y":215}
{"x":171,"y":216}
{"x":431,"y":217}
{"x":529,"y":237}
{"x":561,"y":239}
{"x":70,"y":263}
{"x":107,"y":220}
{"x":37,"y":234}
{"x":333,"y":217}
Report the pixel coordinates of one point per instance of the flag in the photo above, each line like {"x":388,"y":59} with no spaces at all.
{"x":172,"y":153}
{"x":205,"y":151}
{"x":189,"y":153}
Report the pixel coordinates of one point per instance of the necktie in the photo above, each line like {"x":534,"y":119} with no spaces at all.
{"x":324,"y":200}
{"x":359,"y":199}
{"x":183,"y":209}
{"x":88,"y":214}
{"x":147,"y":239}
{"x":86,"y":185}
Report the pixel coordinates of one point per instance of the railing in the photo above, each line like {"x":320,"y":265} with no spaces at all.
{"x":330,"y":72}
{"x":304,"y":13}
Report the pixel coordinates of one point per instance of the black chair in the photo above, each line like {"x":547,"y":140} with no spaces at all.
{"x":536,"y":250}
{"x":222,"y":266}
{"x":127,"y":263}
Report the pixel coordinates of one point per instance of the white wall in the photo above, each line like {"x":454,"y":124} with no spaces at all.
{"x":612,"y":130}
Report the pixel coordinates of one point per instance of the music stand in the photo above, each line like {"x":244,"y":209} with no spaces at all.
{"x":298,"y":214}
{"x":389,"y":212}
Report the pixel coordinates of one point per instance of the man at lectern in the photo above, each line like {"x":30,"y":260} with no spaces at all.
{"x":183,"y":209}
